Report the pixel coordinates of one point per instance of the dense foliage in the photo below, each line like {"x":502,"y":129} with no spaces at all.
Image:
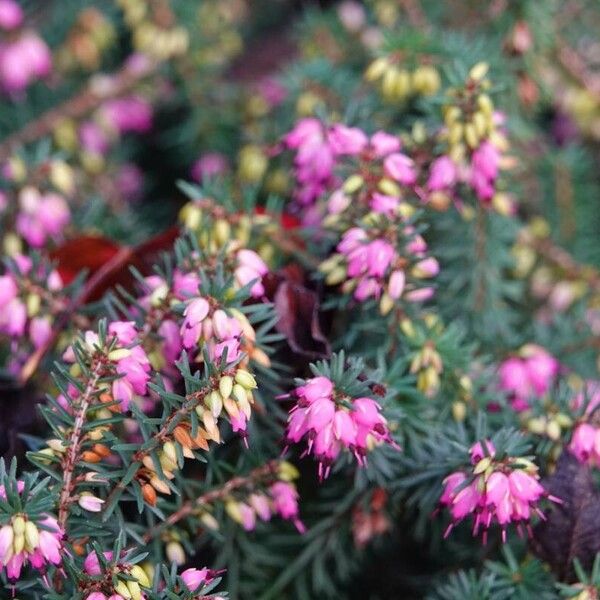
{"x":299,"y":300}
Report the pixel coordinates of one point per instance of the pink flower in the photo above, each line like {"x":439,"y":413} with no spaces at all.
{"x":346,"y":140}
{"x":315,"y":388}
{"x":330,"y":427}
{"x":443,"y":174}
{"x":92,"y":138}
{"x":194,"y":578}
{"x":401,"y":168}
{"x":480,"y":450}
{"x":484,"y":170}
{"x":91,"y":564}
{"x":285,"y":502}
{"x":11,"y":14}
{"x":90,"y":503}
{"x":209,"y":166}
{"x":40,"y":330}
{"x":384,"y":143}
{"x":504,"y":492}
{"x":260,"y":504}
{"x":251,"y":267}
{"x":194,"y":314}
{"x":529,"y":376}
{"x":127,"y":114}
{"x":384,"y":205}
{"x":315,"y":159}
{"x":583,"y":442}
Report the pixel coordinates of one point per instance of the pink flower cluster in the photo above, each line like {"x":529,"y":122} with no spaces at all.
{"x":502,"y":492}
{"x":314,"y":161}
{"x":14,"y":318}
{"x":485,"y":163}
{"x":373,"y":266}
{"x":319,"y":149}
{"x":331,"y":422}
{"x":529,"y":375}
{"x":281,"y":498}
{"x":217,"y":329}
{"x":41,"y":216}
{"x":23,"y":60}
{"x":25,"y":541}
{"x":126,"y":357}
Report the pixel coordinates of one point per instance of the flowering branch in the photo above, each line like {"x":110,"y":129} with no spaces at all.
{"x":75,"y":107}
{"x":72,"y":454}
{"x":187,"y":508}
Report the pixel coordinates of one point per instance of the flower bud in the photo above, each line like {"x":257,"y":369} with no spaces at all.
{"x":149,"y":494}
{"x":32,"y":536}
{"x":170,"y":451}
{"x":175,"y":553}
{"x":225,"y":386}
{"x":89,"y":502}
{"x":140,"y":575}
{"x":245,"y":379}
{"x":18,"y":525}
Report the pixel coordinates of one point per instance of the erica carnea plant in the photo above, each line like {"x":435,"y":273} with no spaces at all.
{"x":299,"y":300}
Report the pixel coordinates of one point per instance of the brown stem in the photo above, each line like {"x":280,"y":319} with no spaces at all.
{"x":564,"y":261}
{"x":74,"y":108}
{"x":187,"y":508}
{"x":480,"y":242}
{"x":576,"y":67}
{"x":72,"y":453}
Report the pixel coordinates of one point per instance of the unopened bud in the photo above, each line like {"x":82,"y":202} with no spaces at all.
{"x":175,"y":553}
{"x":245,"y":379}
{"x":225,"y":386}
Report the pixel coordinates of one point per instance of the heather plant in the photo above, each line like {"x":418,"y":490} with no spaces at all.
{"x":302,"y":311}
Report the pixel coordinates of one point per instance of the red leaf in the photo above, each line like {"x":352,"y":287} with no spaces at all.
{"x":298,"y":311}
{"x":108,"y":264}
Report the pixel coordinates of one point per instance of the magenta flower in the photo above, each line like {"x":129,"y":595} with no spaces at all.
{"x":209,"y":166}
{"x":285,"y":503}
{"x":315,"y":159}
{"x":346,"y":140}
{"x":528,"y":376}
{"x":443,"y":174}
{"x":383,"y":143}
{"x":194,"y":578}
{"x":93,"y":139}
{"x":502,"y":491}
{"x":130,"y":114}
{"x":401,"y":168}
{"x":251,"y":267}
{"x":41,"y":217}
{"x":484,"y":170}
{"x":11,"y":14}
{"x":331,"y":426}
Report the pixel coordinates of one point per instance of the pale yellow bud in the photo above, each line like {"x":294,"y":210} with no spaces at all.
{"x":245,"y":379}
{"x":18,"y":525}
{"x":32,"y":536}
{"x":140,"y":575}
{"x":233,"y":510}
{"x":175,"y":553}
{"x":479,"y":71}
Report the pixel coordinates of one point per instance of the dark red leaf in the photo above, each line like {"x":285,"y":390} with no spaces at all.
{"x":298,"y":311}
{"x":571,"y":529}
